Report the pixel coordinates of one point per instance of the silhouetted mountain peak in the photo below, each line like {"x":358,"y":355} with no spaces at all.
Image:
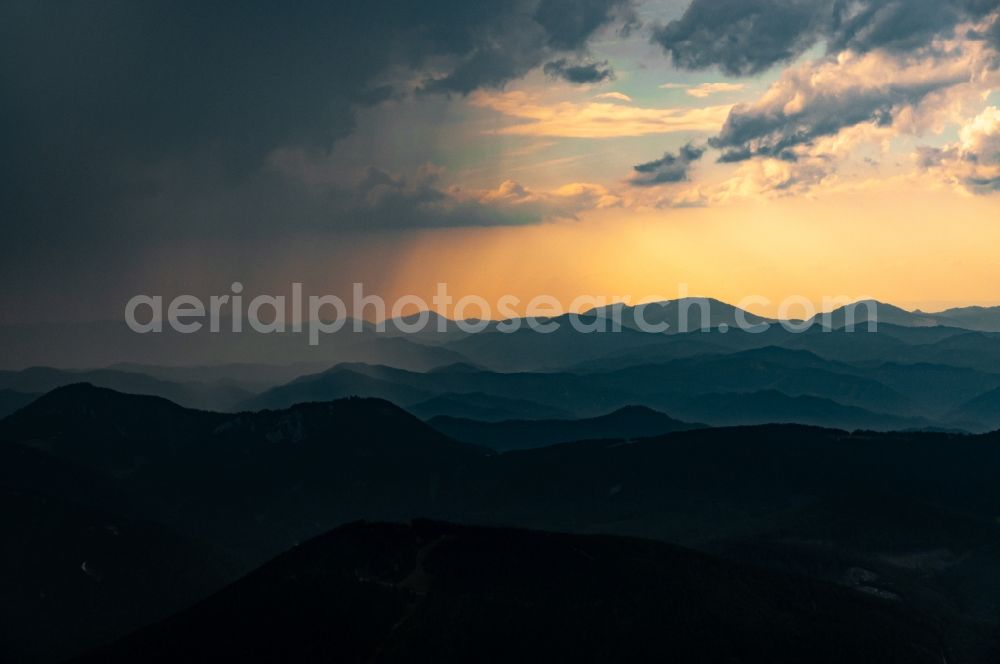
{"x":862,"y":311}
{"x":103,"y":428}
{"x":371,"y":426}
{"x":680,"y":315}
{"x":341,"y":367}
{"x":82,"y":403}
{"x":635,"y":411}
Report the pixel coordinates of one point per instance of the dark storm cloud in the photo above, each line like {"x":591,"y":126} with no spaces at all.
{"x":144,"y":79}
{"x":127,"y":125}
{"x":569,"y":24}
{"x":592,"y":72}
{"x":98,"y":93}
{"x":746,"y":37}
{"x":517,"y":40}
{"x":667,"y":169}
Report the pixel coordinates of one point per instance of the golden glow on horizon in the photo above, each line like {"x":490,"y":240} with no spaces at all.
{"x":917,"y":250}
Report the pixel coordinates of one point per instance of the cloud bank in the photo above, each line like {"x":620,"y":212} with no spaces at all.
{"x":747,"y":37}
{"x":814,"y":101}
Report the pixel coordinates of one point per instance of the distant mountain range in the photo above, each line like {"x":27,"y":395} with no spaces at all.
{"x":442,"y":342}
{"x":985,"y":409}
{"x":108,"y":343}
{"x":219,"y":395}
{"x":679,"y":316}
{"x":981,"y":319}
{"x":485,"y":407}
{"x":755,"y":386}
{"x":901,"y":377}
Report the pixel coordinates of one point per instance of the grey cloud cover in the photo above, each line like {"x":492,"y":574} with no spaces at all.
{"x":518,"y":38}
{"x":742,"y":37}
{"x":101,"y":98}
{"x":593,"y":72}
{"x":384,"y":201}
{"x":667,"y":169}
{"x":154,"y":77}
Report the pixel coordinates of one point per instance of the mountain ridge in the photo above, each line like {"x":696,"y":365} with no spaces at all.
{"x":626,"y":422}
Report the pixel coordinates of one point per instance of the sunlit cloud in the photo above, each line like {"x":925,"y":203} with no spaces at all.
{"x":618,"y":96}
{"x":836,"y":112}
{"x":847,"y":123}
{"x":761,"y":179}
{"x":815,"y":101}
{"x":706,"y":89}
{"x":595,"y":119}
{"x":565,"y":201}
{"x":973,"y":164}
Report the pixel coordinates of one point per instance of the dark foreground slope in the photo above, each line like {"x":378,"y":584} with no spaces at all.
{"x":909,"y":517}
{"x":117,"y":510}
{"x":78,"y":567}
{"x":443,"y":593}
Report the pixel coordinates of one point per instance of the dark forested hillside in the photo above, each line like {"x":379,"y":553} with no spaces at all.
{"x":446,"y":593}
{"x":184,"y":500}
